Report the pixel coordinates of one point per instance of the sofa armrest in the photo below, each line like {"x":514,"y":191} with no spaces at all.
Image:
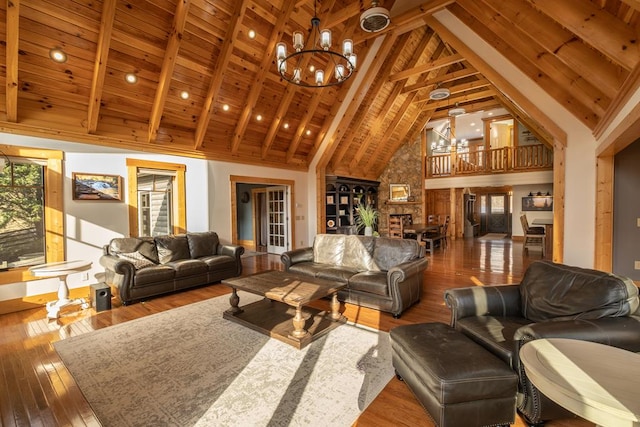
{"x":405,"y":284}
{"x":498,"y":301}
{"x":117,"y":265}
{"x":296,"y":256}
{"x":623,"y":332}
{"x":231,"y":250}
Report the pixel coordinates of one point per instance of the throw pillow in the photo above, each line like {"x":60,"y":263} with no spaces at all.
{"x":137,"y":259}
{"x":172,"y":248}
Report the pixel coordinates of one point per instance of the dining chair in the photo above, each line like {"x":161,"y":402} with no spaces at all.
{"x":533,"y":236}
{"x":396,"y":227}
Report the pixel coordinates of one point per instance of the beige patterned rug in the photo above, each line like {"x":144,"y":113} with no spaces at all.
{"x":190,"y":367}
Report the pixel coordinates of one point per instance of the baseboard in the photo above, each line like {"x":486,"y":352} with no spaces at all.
{"x":249,"y":245}
{"x":517,"y":238}
{"x":36,"y":301}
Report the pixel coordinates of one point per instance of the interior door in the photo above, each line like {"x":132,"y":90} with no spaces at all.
{"x":278,"y":219}
{"x":498,"y":213}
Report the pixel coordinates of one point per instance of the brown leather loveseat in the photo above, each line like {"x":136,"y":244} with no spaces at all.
{"x":381,"y":273}
{"x":143,"y":267}
{"x":552,"y":301}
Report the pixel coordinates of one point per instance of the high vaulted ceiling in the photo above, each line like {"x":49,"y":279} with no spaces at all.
{"x":580,"y":52}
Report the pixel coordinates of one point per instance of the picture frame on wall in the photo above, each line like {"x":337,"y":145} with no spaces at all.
{"x":97,"y":187}
{"x":537,"y":203}
{"x":399,"y":192}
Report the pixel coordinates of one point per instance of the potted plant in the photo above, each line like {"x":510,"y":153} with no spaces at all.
{"x":366,"y":217}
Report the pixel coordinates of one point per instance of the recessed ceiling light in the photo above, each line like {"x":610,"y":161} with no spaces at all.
{"x":225,"y":107}
{"x":286,"y":126}
{"x":312,"y":68}
{"x":259,"y":117}
{"x":252,"y":34}
{"x":472,"y":124}
{"x":308,"y":132}
{"x":491,"y":114}
{"x":184,"y":94}
{"x":58,"y":55}
{"x":477,"y":130}
{"x":131,"y":78}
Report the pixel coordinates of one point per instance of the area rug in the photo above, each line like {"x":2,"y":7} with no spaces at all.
{"x":190,"y":367}
{"x":492,"y":236}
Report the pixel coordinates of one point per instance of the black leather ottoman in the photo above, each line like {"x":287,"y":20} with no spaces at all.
{"x":457,"y":381}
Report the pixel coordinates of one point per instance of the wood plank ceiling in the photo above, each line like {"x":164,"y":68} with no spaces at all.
{"x":581,"y":52}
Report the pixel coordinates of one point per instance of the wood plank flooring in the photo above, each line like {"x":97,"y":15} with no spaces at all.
{"x":37,"y":390}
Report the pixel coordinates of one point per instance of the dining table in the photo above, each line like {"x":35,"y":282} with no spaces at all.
{"x":419,"y":228}
{"x":547,"y":223}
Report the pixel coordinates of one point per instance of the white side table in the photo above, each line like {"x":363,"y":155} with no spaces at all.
{"x":594,"y":381}
{"x":61,"y":270}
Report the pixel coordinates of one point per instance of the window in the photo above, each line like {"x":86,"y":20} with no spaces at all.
{"x":156,"y":198}
{"x":31,"y":210}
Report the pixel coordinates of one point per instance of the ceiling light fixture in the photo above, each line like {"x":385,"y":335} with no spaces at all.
{"x":58,"y":55}
{"x":457,"y":111}
{"x":375,"y":18}
{"x":252,"y":34}
{"x":318,"y":56}
{"x":225,"y":107}
{"x":439,"y":94}
{"x":131,"y":78}
{"x":184,"y":95}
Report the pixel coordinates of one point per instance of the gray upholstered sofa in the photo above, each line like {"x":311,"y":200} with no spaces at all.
{"x":381,"y":273}
{"x":552,"y":301}
{"x":143,"y":267}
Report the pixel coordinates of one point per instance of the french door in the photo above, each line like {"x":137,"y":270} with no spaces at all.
{"x":498,"y":213}
{"x":278,"y":219}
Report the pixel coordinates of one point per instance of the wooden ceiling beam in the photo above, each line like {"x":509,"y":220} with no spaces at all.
{"x":458,"y":99}
{"x":635,"y":4}
{"x":374,"y":90}
{"x":378,"y":121}
{"x":427,"y":67}
{"x":370,"y":74}
{"x":596,"y":27}
{"x":168,"y":64}
{"x":13,"y":38}
{"x":256,"y":87}
{"x":473,"y":107}
{"x":100,"y":65}
{"x":520,"y":55}
{"x":219,"y":72}
{"x":537,"y":118}
{"x":563,"y":44}
{"x":445,"y":78}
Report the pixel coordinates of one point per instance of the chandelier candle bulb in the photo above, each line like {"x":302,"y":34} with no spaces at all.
{"x":298,"y":41}
{"x":347,"y":47}
{"x":340,"y":72}
{"x":325,"y":39}
{"x":352,"y":60}
{"x":319,"y":77}
{"x":297,"y":73}
{"x":281,"y":51}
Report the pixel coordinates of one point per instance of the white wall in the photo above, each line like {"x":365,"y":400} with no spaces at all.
{"x":90,"y":224}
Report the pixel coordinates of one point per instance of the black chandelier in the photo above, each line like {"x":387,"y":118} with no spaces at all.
{"x":318,"y":65}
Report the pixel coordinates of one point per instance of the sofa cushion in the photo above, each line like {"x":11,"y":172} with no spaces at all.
{"x":137,"y":259}
{"x":390,"y":252}
{"x":219,"y":262}
{"x":557,"y":291}
{"x":188,"y":267}
{"x":203,"y":244}
{"x":172,"y":248}
{"x":358,"y":253}
{"x":151,"y":276}
{"x":308,"y":268}
{"x":374,"y":282}
{"x":328,"y":248}
{"x":337,"y":274}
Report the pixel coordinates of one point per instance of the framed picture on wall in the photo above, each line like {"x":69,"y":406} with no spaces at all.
{"x":399,"y":192}
{"x":88,"y":186}
{"x":537,"y":203}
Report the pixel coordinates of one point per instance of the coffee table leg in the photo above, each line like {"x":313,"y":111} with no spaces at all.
{"x":234,"y":300}
{"x":298,"y":324}
{"x":335,"y":307}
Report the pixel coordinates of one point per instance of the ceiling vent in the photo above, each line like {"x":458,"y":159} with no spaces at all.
{"x":438,"y":94}
{"x":375,"y":18}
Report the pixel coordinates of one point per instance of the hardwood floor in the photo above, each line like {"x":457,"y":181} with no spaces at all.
{"x":36,"y":388}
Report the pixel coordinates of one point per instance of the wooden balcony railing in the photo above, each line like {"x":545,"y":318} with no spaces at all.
{"x":499,"y":160}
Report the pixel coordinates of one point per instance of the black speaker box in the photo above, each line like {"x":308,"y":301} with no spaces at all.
{"x":100,"y":296}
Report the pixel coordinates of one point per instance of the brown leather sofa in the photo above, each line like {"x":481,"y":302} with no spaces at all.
{"x":143,"y":267}
{"x":552,"y":301}
{"x":381,"y":273}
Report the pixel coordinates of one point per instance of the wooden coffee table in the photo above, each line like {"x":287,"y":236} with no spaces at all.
{"x":280,"y":314}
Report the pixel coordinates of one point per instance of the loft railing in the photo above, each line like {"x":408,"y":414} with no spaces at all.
{"x":497,"y":160}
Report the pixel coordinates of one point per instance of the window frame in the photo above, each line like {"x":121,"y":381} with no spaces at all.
{"x":53,"y":208}
{"x":179,"y":196}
